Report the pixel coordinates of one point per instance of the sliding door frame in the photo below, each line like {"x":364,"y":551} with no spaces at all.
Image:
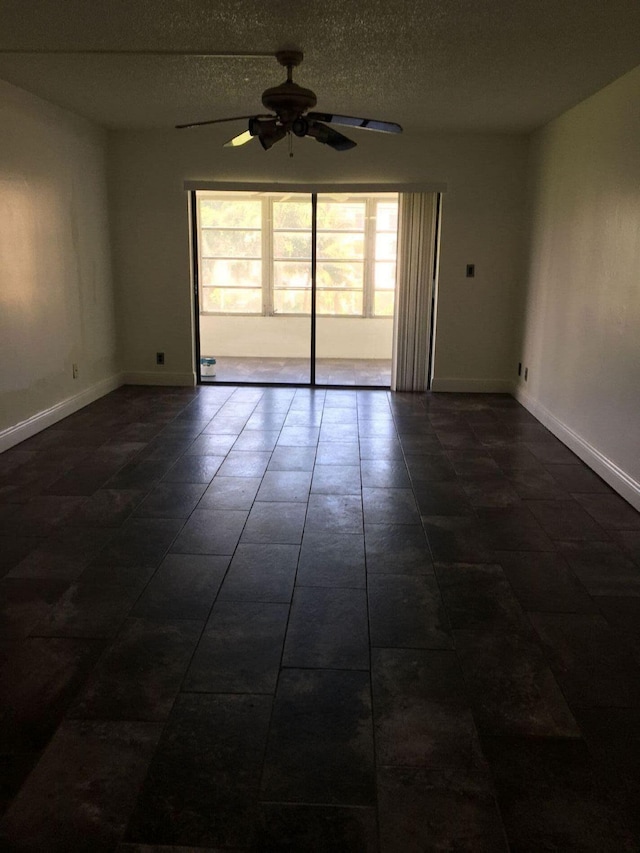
{"x":314,"y":286}
{"x":195,"y":274}
{"x":434,"y":292}
{"x":193,"y":186}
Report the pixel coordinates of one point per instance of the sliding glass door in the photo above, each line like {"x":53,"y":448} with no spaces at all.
{"x":355,"y":285}
{"x":295,"y":288}
{"x":254,"y":287}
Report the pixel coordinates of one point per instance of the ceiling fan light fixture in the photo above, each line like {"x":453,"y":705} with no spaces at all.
{"x":300,"y":126}
{"x":270,"y":133}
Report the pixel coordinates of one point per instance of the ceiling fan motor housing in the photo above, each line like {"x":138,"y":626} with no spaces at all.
{"x":288,"y":100}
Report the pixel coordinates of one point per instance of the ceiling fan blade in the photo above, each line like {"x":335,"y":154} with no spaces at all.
{"x":329,"y":136}
{"x":352,"y":121}
{"x":218,"y":121}
{"x":240,"y":139}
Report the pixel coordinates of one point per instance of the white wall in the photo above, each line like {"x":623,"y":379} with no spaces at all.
{"x":56,"y":294}
{"x":483,"y":224}
{"x":288,"y":337}
{"x":581,"y":338}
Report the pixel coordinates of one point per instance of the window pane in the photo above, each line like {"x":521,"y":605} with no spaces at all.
{"x":387,"y":216}
{"x":383,"y":305}
{"x":292,"y":301}
{"x":340,"y":274}
{"x":231,"y":213}
{"x":231,"y":273}
{"x":334,"y":302}
{"x":385,"y":275}
{"x":291,"y":244}
{"x":342,"y":215}
{"x":292,"y":274}
{"x":386,"y":247}
{"x":337,"y":245}
{"x":231,"y":244}
{"x":232,"y":300}
{"x":292,"y":214}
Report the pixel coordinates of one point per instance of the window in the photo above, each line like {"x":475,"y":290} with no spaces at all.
{"x":255,"y":254}
{"x":341,"y":256}
{"x":289,"y":239}
{"x":230,"y":255}
{"x":385,"y":257}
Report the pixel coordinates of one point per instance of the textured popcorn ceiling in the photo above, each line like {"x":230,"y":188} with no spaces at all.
{"x":482,"y":65}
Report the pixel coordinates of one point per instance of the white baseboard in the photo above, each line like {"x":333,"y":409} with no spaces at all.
{"x":13,"y":435}
{"x":618,"y":479}
{"x":473,"y":386}
{"x":159,"y":378}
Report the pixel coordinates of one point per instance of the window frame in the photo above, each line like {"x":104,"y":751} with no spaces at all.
{"x":268,"y":260}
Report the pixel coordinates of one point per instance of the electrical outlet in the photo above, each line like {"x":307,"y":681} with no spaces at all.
{"x":519,"y":368}
{"x":75,"y":371}
{"x":159,"y":358}
{"x":526,"y":373}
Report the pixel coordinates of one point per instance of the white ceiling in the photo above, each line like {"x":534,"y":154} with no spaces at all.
{"x":480,"y":65}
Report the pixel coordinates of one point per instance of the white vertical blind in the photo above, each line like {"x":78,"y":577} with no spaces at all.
{"x":416,"y":246}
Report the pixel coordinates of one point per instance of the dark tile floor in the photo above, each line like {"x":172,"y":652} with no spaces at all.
{"x":279,"y":619}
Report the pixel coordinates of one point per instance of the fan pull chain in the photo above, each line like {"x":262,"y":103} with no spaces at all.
{"x":290,"y":137}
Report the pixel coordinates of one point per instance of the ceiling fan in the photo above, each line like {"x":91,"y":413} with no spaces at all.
{"x":290,"y":104}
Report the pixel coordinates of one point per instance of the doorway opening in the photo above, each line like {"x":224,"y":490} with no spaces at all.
{"x":294,"y":288}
